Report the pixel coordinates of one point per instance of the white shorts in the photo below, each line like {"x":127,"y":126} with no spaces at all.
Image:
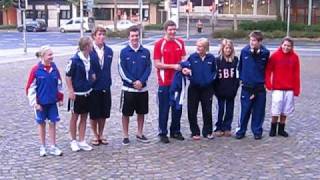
{"x":282,"y":102}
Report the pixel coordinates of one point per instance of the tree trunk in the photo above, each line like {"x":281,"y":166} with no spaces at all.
{"x":278,"y":13}
{"x":7,"y":17}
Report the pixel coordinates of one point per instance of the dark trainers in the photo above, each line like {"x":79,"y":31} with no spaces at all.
{"x":177,"y":136}
{"x":257,"y":137}
{"x":164,"y":139}
{"x":142,"y":139}
{"x":125,"y":141}
{"x":239,"y":136}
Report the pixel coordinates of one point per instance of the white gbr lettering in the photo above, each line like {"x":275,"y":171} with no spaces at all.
{"x":232,"y":72}
{"x":225,"y":73}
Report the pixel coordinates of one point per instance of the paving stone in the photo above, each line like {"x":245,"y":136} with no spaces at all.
{"x":296,"y":157}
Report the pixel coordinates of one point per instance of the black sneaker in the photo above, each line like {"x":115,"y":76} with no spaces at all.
{"x":257,"y":137}
{"x":164,"y":139}
{"x":125,"y":141}
{"x":239,"y":136}
{"x":177,"y":136}
{"x":142,"y":139}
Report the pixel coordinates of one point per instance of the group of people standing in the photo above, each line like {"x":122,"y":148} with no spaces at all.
{"x":88,"y":79}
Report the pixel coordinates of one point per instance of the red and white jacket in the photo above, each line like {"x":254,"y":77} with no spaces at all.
{"x":44,"y":85}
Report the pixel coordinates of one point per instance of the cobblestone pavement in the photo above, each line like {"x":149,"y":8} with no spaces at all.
{"x":296,"y":157}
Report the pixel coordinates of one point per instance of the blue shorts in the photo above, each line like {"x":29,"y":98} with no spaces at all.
{"x":49,"y":111}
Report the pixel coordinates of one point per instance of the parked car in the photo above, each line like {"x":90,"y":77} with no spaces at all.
{"x":75,"y":23}
{"x":121,"y":25}
{"x":34,"y":26}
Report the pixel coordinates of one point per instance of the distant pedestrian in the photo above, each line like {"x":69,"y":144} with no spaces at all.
{"x":168,"y":53}
{"x":44,"y":90}
{"x":199,"y":26}
{"x":252,"y":65}
{"x":283,"y":79}
{"x":201,"y":69}
{"x":100,"y":97}
{"x":134,"y":68}
{"x":79,"y":77}
{"x":226,"y":86}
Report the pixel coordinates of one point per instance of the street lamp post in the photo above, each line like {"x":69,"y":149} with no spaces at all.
{"x":81,"y":18}
{"x":188,"y":18}
{"x":141,"y":19}
{"x":25,"y":45}
{"x":58,"y":15}
{"x":288,"y":18}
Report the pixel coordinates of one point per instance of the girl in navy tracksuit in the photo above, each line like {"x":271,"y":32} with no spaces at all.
{"x":226,"y":86}
{"x":201,"y":69}
{"x":79,"y":78}
{"x":44,"y":90}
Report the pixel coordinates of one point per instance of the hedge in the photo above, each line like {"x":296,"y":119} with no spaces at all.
{"x":275,"y":25}
{"x":8,"y":26}
{"x":153,"y":27}
{"x":230,"y":34}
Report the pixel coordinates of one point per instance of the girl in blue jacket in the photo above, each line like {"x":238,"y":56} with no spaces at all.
{"x":44,"y":90}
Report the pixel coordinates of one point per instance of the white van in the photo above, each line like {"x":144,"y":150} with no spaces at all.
{"x":75,"y":23}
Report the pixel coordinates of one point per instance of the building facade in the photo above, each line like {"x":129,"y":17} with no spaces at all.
{"x":301,"y":11}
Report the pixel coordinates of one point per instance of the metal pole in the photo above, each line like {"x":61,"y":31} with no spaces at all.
{"x":25,"y":45}
{"x":140,"y":13}
{"x":188,"y":19}
{"x":178,"y":13}
{"x":268,"y":7}
{"x":169,"y":9}
{"x":288,"y":18}
{"x":81,"y":18}
{"x":309,"y":12}
{"x":241,"y":6}
{"x":202,"y":8}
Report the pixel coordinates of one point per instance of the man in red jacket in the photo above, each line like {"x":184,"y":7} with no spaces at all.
{"x":283,"y":79}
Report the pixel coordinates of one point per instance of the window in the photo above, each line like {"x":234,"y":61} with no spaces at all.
{"x":102,"y":13}
{"x":65,"y":14}
{"x":29,"y":14}
{"x":41,"y":14}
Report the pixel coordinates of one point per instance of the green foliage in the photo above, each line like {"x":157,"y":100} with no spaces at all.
{"x":275,"y":34}
{"x":121,"y":34}
{"x":230,"y":34}
{"x":276,"y":25}
{"x":155,"y":1}
{"x":153,"y":27}
{"x":270,"y":25}
{"x":8,"y":26}
{"x":5,"y":4}
{"x":75,"y":2}
{"x":305,"y":34}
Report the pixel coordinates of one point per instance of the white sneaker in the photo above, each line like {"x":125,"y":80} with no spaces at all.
{"x":84,"y":146}
{"x":74,"y":146}
{"x":43,"y":151}
{"x":54,"y":150}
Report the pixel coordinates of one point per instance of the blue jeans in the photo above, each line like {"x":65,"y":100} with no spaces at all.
{"x":225,"y":114}
{"x":164,"y":107}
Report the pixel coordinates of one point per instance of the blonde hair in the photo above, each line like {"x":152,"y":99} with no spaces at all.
{"x":42,"y":51}
{"x":84,"y":42}
{"x":205,"y":43}
{"x":224,"y":43}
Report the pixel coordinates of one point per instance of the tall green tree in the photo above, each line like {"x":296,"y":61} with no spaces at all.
{"x":5,"y":5}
